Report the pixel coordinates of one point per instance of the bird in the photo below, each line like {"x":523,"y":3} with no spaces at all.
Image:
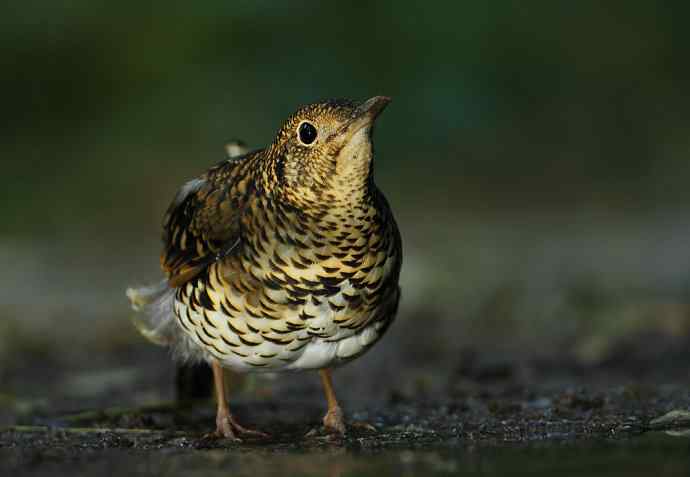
{"x":286,"y":258}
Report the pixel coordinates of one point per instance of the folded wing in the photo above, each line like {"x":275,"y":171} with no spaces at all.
{"x":202,"y":223}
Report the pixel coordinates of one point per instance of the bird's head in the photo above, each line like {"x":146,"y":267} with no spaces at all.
{"x":324,"y":150}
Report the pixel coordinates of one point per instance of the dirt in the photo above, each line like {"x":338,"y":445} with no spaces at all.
{"x":482,"y":402}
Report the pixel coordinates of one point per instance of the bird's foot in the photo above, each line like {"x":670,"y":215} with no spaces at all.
{"x":228,"y":427}
{"x":364,"y":426}
{"x":333,"y":421}
{"x":334,"y":426}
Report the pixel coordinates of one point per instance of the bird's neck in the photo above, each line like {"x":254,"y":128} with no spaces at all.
{"x":334,"y":190}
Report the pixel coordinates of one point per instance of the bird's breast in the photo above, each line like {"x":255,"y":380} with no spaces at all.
{"x":302,"y":292}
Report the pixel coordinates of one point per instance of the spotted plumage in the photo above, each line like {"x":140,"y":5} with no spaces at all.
{"x":285,"y":258}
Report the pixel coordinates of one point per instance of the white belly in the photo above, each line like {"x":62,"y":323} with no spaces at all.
{"x":320,"y":353}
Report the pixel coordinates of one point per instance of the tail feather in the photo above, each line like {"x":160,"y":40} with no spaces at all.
{"x":154,"y":306}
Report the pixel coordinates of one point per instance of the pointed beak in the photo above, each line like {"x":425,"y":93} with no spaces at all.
{"x":365,"y":115}
{"x":372,"y":107}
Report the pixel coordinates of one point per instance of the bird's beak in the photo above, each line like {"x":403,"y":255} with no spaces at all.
{"x":363,"y":116}
{"x":372,"y":107}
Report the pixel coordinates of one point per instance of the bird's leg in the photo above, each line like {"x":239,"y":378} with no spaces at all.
{"x":226,"y":425}
{"x":333,"y":420}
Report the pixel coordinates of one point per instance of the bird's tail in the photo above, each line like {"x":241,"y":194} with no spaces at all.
{"x":154,"y":306}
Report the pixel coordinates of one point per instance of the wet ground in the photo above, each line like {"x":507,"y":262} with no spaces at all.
{"x":488,"y":416}
{"x":648,"y":455}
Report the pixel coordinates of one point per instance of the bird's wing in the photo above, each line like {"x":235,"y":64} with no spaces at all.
{"x":235,"y":148}
{"x":202,"y":223}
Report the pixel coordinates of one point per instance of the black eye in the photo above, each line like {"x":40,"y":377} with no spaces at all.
{"x":307,"y":133}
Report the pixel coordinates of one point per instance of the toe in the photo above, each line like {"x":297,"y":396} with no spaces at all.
{"x":236,"y":428}
{"x":333,"y":421}
{"x":227,"y":431}
{"x":364,"y":426}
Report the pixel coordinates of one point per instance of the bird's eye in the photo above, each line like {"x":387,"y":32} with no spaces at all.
{"x":307,"y":133}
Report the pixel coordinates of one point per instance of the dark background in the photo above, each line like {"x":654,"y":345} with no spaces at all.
{"x":535,"y":155}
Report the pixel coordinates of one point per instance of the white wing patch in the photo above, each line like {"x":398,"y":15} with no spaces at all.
{"x":188,"y":188}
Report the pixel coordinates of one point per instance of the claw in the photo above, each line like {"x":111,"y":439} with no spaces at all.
{"x":333,"y":421}
{"x":365,"y":426}
{"x":228,"y":427}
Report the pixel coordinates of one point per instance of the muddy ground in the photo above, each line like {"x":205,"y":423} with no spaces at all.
{"x":434,"y":425}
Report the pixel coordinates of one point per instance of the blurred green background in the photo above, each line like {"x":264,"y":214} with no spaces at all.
{"x":536,"y":155}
